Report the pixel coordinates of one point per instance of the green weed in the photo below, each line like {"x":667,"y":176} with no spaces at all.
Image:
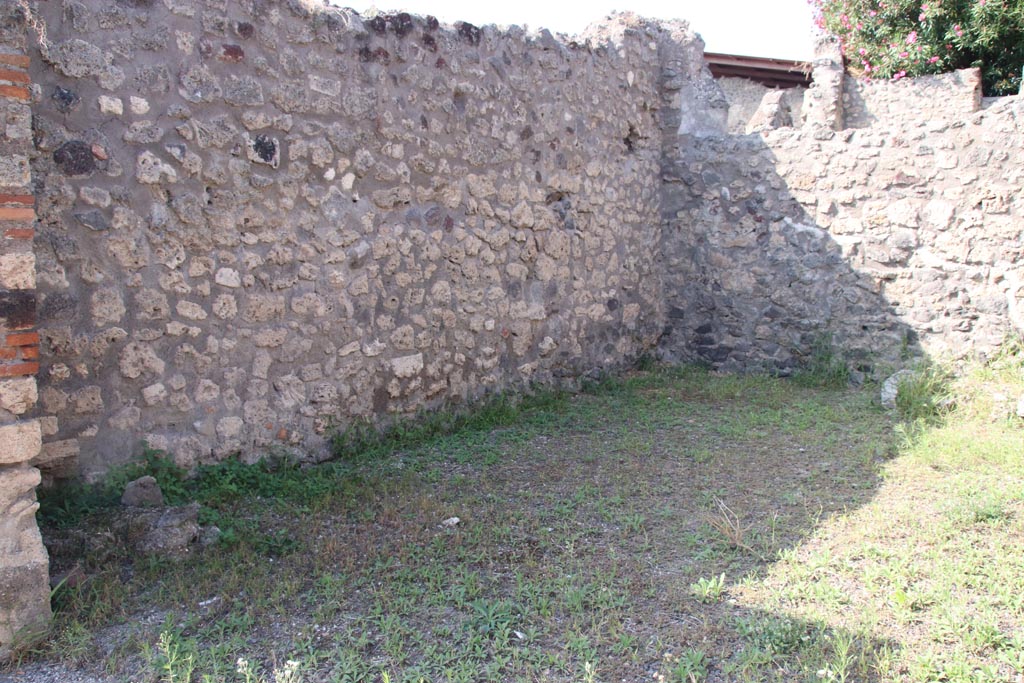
{"x":824,"y":366}
{"x":777,"y":635}
{"x":923,"y":395}
{"x":841,"y":661}
{"x":691,"y":666}
{"x":69,"y":502}
{"x":175,"y":662}
{"x":709,"y":590}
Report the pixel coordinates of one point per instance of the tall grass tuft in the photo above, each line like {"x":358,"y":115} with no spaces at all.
{"x":925,"y":394}
{"x":824,"y":366}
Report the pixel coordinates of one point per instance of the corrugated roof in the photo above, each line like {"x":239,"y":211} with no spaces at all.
{"x":775,"y":73}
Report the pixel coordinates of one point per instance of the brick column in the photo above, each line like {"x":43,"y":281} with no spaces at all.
{"x":24,"y":565}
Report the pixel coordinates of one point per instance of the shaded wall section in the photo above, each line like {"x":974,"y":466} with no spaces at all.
{"x":753,"y":283}
{"x":891,"y":240}
{"x":262,"y":220}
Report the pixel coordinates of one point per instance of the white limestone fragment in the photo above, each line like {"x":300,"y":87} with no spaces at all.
{"x":149,"y":169}
{"x":229,"y":427}
{"x":138,"y":105}
{"x":228,"y":277}
{"x":407,"y":366}
{"x":154,"y":393}
{"x":110,"y":105}
{"x":190,"y":310}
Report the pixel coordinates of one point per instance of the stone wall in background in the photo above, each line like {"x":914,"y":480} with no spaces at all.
{"x":24,"y":564}
{"x":902,"y":238}
{"x":745,"y":98}
{"x":262,"y":220}
{"x":886,"y":102}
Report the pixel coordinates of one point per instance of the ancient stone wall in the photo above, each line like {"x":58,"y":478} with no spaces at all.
{"x":889,"y":241}
{"x":881,"y":103}
{"x":24,"y":565}
{"x":259,"y":221}
{"x":745,"y":97}
{"x":262,"y":220}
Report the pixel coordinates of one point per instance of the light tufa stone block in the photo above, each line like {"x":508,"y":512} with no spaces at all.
{"x":20,"y":442}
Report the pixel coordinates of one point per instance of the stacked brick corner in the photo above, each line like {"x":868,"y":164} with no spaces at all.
{"x":24,"y":565}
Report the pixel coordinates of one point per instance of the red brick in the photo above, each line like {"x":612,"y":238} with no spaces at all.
{"x":17,"y":213}
{"x":20,"y":233}
{"x":14,"y":76}
{"x":20,"y":199}
{"x":16,"y":60}
{"x":29,"y":352}
{"x":23,"y":339}
{"x":7,"y":353}
{"x":19,"y":369}
{"x":15,"y":91}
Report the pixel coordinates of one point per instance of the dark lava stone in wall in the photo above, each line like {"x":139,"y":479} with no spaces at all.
{"x":75,"y":157}
{"x":65,"y":100}
{"x":18,"y":308}
{"x":264,"y":148}
{"x":469,"y":32}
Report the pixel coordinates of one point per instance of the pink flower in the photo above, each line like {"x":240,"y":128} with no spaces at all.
{"x":920,"y":17}
{"x":932,"y":60}
{"x":904,"y":54}
{"x":873,"y":13}
{"x":862,"y":51}
{"x":912,"y":38}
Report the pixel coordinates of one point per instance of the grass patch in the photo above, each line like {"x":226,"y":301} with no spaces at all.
{"x":669,"y":524}
{"x":824,"y":366}
{"x":219,"y":487}
{"x":363,"y":440}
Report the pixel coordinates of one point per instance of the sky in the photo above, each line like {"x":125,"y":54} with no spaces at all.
{"x":759,"y":28}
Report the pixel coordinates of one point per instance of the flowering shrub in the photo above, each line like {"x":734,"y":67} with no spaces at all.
{"x":894,"y":39}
